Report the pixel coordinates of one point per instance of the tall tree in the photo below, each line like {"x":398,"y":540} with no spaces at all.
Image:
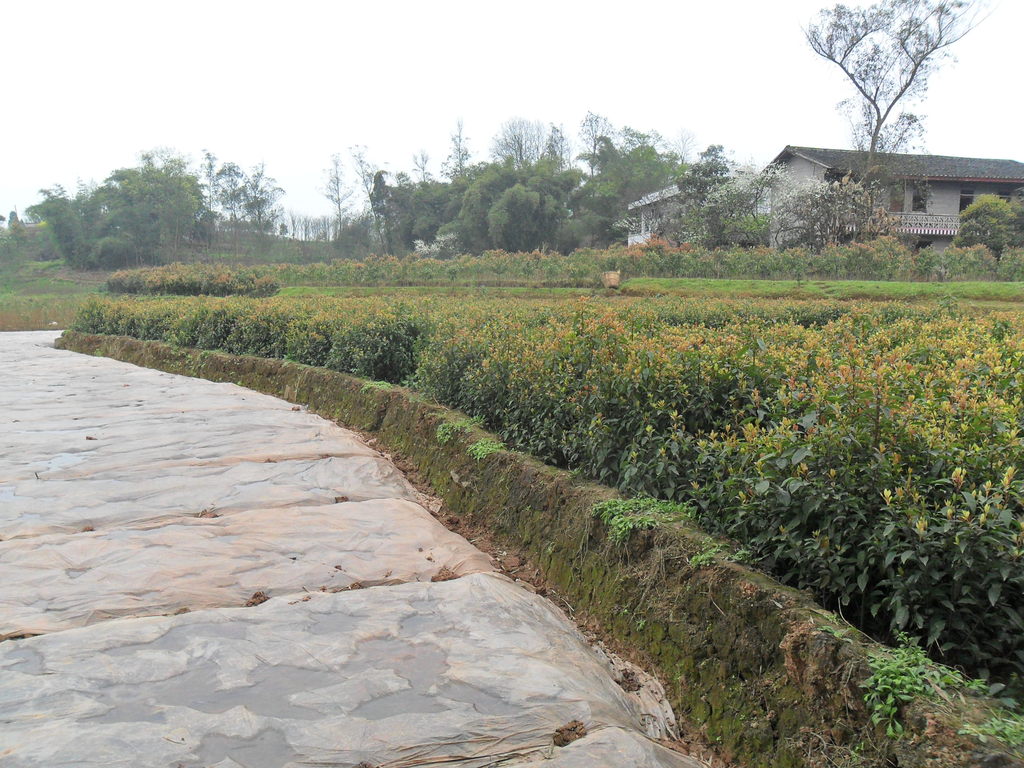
{"x":368,"y":173}
{"x":336,"y":191}
{"x":888,"y":51}
{"x":261,"y":194}
{"x":421,"y":162}
{"x":454,"y":166}
{"x":148,"y":212}
{"x":230,"y":183}
{"x":595,"y":132}
{"x":520,"y":142}
{"x":208,"y":169}
{"x":558,"y":148}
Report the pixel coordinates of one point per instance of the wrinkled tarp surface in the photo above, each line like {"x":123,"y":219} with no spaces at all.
{"x":192,"y":496}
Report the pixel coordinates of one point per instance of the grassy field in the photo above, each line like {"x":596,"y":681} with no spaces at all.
{"x":36,"y":295}
{"x":46,"y":294}
{"x":875,"y":290}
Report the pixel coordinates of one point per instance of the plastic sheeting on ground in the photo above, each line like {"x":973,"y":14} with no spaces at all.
{"x":126,"y":492}
{"x":464,"y":671}
{"x":60,"y":581}
{"x":93,"y":443}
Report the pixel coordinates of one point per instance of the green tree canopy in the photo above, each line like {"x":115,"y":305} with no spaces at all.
{"x":993,"y":222}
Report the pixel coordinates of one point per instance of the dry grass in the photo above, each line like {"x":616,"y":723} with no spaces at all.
{"x":37,"y":313}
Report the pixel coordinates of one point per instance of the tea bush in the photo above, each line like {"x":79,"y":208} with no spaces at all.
{"x":193,"y":280}
{"x":869,"y":453}
{"x":883,"y":259}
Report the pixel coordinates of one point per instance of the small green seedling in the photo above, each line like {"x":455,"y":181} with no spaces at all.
{"x":446,"y":430}
{"x":484,"y":447}
{"x":624,"y":516}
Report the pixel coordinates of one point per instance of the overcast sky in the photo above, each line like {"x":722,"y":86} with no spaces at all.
{"x":88,"y":85}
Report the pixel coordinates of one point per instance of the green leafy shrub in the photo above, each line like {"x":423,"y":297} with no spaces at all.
{"x":1006,"y":727}
{"x":992,"y":222}
{"x":868,"y":453}
{"x":884,"y":258}
{"x":902,"y":675}
{"x":191,"y":280}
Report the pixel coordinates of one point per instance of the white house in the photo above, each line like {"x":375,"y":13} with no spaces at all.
{"x":929,"y":191}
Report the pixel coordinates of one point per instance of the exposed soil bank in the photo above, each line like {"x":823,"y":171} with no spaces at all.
{"x":758,"y":667}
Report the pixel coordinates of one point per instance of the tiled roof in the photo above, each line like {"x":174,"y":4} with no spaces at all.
{"x":916,"y":166}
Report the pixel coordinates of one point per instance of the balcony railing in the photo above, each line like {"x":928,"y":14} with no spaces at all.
{"x":928,"y":223}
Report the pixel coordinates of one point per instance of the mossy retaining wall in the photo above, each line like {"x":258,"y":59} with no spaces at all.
{"x":768,"y":676}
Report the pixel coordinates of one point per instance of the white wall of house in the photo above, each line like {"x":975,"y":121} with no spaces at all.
{"x":800,"y":169}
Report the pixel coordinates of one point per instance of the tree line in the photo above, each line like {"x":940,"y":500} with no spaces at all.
{"x":538,"y":189}
{"x":156,"y":211}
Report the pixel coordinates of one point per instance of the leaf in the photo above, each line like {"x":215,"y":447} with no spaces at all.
{"x":935,"y":630}
{"x":994,"y":592}
{"x":800,"y":454}
{"x":761,"y":487}
{"x":902,"y":614}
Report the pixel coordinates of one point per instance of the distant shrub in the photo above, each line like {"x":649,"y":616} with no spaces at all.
{"x":192,"y":280}
{"x":955,"y":263}
{"x":884,"y":258}
{"x":1011,"y":265}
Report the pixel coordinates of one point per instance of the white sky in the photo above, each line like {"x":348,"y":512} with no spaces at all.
{"x":88,"y":85}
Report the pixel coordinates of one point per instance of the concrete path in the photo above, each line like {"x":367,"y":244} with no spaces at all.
{"x":195,"y":574}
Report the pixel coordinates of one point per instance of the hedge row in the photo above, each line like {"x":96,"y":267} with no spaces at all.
{"x":193,"y":280}
{"x":869,"y":454}
{"x":883,"y":259}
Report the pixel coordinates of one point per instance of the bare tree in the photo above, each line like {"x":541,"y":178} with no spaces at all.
{"x":420,"y":162}
{"x":888,"y":51}
{"x":520,"y":142}
{"x":684,"y":145}
{"x":336,"y":191}
{"x":455,"y":164}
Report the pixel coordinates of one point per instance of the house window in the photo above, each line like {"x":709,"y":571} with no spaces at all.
{"x":966,"y":198}
{"x":920,"y":198}
{"x":897,"y":193}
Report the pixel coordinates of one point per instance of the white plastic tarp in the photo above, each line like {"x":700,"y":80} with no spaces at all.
{"x":128,"y":496}
{"x":465,"y":671}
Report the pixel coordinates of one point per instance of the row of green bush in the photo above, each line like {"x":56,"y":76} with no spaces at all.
{"x":869,"y":454}
{"x":193,"y":280}
{"x":882,"y":259}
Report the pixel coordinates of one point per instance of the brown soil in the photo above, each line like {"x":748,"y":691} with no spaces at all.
{"x":256,"y":599}
{"x":445,"y":574}
{"x":569,"y":733}
{"x":629,"y":682}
